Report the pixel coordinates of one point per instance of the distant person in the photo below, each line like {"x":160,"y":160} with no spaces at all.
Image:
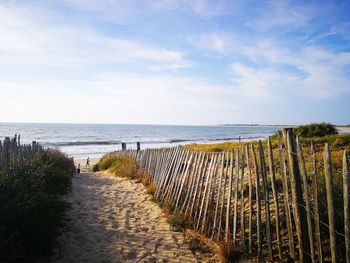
{"x":78,"y":168}
{"x":239,"y":138}
{"x":87,"y":162}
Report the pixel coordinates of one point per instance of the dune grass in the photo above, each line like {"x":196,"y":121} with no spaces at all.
{"x":31,"y":206}
{"x":125,"y":166}
{"x":315,"y":130}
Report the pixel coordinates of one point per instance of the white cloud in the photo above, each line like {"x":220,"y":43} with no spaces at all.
{"x":221,"y":42}
{"x":283,"y":14}
{"x":266,"y":82}
{"x":314,"y":71}
{"x":26,"y":39}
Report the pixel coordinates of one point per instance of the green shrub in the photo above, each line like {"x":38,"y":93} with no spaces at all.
{"x":106,"y":161}
{"x":95,"y":168}
{"x":31,"y":206}
{"x":315,"y":130}
{"x":120,"y":165}
{"x":342,"y":140}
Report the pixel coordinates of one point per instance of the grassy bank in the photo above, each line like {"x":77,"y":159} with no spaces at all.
{"x":31,"y":205}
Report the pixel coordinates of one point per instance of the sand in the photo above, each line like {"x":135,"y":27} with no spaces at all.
{"x":113,"y":220}
{"x":83,"y":166}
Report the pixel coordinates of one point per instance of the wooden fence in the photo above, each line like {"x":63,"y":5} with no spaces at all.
{"x":13,"y":153}
{"x":272,"y":204}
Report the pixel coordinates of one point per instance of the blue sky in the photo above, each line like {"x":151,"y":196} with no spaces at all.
{"x":175,"y":61}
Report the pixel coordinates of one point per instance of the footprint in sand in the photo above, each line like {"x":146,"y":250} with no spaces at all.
{"x":119,"y":207}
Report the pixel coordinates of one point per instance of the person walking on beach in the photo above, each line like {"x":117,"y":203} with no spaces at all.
{"x":87,"y":162}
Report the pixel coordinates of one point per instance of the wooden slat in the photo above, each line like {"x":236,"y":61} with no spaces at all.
{"x":258,"y":204}
{"x":219,"y":192}
{"x":330,"y":203}
{"x":346,"y":193}
{"x":316,"y":205}
{"x":250,"y":203}
{"x":275,"y":197}
{"x":235,"y":198}
{"x":297,"y":198}
{"x":267,"y":201}
{"x":306,"y":197}
{"x":242,"y":201}
{"x":223,"y":195}
{"x":285,"y":187}
{"x":228,"y":206}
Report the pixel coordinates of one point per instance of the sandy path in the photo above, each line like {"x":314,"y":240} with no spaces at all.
{"x":112,"y":220}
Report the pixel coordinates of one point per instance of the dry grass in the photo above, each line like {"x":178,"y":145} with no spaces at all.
{"x":203,"y":248}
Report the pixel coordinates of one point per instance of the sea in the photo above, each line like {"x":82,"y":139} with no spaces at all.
{"x":94,"y":140}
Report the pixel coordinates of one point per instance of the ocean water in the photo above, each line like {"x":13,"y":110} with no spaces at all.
{"x":93,"y":140}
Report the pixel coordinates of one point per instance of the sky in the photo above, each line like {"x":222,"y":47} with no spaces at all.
{"x":175,"y":61}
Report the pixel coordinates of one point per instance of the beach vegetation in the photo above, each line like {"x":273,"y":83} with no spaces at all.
{"x":177,"y":221}
{"x":315,"y":130}
{"x":32,"y":207}
{"x":120,"y":165}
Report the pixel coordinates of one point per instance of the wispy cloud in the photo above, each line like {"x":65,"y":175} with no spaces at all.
{"x":119,"y":11}
{"x":283,"y":14}
{"x":27,"y":39}
{"x":313,"y":70}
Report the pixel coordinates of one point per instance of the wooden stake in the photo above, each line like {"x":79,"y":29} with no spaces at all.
{"x":330,"y":203}
{"x":242,"y":201}
{"x":223,"y":196}
{"x":236,"y":197}
{"x":258,"y":204}
{"x":307,"y":202}
{"x":210,"y":178}
{"x":205,"y":191}
{"x":346,"y":193}
{"x":267,"y":200}
{"x":219,"y":192}
{"x":316,"y":207}
{"x":199,"y":182}
{"x":286,"y":197}
{"x":297,"y":198}
{"x":275,"y":197}
{"x":250,"y":203}
{"x":228,"y":206}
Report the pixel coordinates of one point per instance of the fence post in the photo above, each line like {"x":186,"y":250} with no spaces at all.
{"x":258,"y":204}
{"x":275,"y":196}
{"x":6,"y":154}
{"x":1,"y":157}
{"x":306,"y":195}
{"x":235,"y":197}
{"x":138,"y":146}
{"x":330,"y":203}
{"x":285,"y":187}
{"x":123,"y":146}
{"x":228,"y":206}
{"x":250,"y":203}
{"x":297,"y":198}
{"x":223,"y":195}
{"x":219,"y":192}
{"x":346,"y":192}
{"x":316,"y":207}
{"x":267,"y":200}
{"x":242,"y":200}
